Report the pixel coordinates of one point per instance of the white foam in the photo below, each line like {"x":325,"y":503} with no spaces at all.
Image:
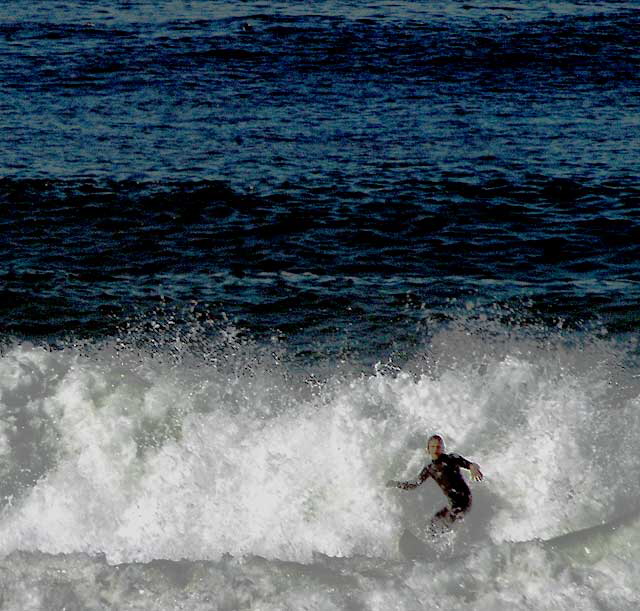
{"x":166,"y":460}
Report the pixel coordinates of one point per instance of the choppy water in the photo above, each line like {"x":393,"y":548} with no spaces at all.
{"x":252,"y":254}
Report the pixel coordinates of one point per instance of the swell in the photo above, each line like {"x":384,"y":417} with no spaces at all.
{"x":598,"y":207}
{"x":595,"y":48}
{"x":78,"y":253}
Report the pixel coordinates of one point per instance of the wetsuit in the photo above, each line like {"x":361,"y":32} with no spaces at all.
{"x":445,"y":470}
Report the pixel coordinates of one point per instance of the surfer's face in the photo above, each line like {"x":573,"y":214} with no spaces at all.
{"x":434,"y":448}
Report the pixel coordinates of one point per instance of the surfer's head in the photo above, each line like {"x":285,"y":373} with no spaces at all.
{"x":435,"y":446}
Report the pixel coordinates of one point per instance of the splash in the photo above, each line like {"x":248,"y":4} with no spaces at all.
{"x":215,"y":445}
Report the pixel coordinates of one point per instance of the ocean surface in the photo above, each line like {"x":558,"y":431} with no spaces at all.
{"x":252,"y":254}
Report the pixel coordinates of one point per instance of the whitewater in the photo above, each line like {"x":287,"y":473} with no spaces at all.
{"x":209,"y":470}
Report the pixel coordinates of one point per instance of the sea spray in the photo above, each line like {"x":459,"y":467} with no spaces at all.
{"x":165,"y":465}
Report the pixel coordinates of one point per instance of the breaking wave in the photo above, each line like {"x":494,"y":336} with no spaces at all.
{"x":223,"y":460}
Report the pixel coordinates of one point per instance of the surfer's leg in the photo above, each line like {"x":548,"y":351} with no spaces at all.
{"x":441,"y":521}
{"x":459,"y":506}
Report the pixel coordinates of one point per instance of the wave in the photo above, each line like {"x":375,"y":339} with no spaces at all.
{"x":409,"y":44}
{"x":138,"y":216}
{"x":515,"y":576}
{"x":199,"y":446}
{"x":161,"y":470}
{"x":80,"y":254}
{"x":441,"y":209}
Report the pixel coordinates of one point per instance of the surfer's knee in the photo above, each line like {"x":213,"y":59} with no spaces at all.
{"x":461,"y":504}
{"x":442,"y":514}
{"x":459,"y":507}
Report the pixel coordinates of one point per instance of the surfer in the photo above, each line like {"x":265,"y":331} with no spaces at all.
{"x":445,"y":470}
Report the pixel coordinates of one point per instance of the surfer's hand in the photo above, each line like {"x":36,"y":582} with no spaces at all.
{"x":476,"y":474}
{"x":392,"y":483}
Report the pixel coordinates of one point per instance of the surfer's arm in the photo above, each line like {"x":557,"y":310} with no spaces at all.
{"x":424,"y":474}
{"x":474,"y":468}
{"x":476,"y":474}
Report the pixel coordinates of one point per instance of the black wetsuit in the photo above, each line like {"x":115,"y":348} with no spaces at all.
{"x":445,"y":470}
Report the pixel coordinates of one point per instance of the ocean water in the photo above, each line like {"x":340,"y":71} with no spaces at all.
{"x":252,"y":254}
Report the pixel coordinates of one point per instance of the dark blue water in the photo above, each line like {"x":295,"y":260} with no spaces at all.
{"x":308,"y":167}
